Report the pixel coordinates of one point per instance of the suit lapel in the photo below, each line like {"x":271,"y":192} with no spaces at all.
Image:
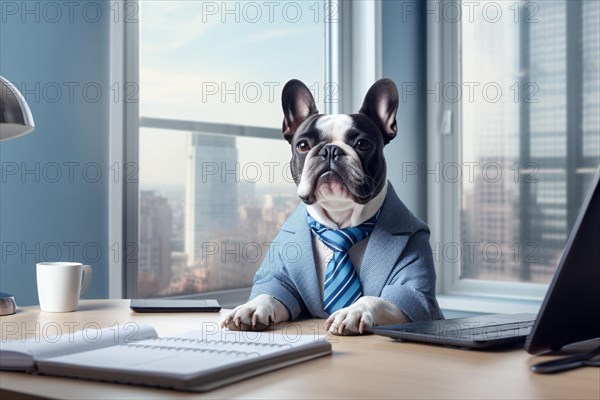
{"x":302,"y":271}
{"x":383,"y":250}
{"x":386,"y":244}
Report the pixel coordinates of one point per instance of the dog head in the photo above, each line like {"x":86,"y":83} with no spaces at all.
{"x":338,"y":159}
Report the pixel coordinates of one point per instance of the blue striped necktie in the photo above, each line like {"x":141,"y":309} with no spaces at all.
{"x":342,"y":286}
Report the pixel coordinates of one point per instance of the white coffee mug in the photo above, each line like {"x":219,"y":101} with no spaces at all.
{"x":59,"y":285}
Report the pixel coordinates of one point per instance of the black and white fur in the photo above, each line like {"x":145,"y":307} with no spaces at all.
{"x":340,"y":172}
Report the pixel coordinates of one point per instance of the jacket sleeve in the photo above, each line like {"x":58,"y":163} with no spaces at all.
{"x":273,"y":279}
{"x":411,"y":285}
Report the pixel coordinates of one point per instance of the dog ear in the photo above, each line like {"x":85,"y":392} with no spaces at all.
{"x":381,"y":105}
{"x":298,"y":104}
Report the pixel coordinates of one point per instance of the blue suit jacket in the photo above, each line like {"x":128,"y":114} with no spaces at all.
{"x":397,"y":265}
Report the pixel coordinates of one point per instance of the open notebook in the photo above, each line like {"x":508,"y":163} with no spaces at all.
{"x":194,"y":361}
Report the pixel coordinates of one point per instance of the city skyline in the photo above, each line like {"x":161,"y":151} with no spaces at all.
{"x":221,"y":258}
{"x":547,"y":140}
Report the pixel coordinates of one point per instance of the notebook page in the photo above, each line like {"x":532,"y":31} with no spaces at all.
{"x":190,"y":353}
{"x":21,"y":354}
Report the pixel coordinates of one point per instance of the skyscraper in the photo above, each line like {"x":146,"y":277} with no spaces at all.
{"x":547,"y":139}
{"x":560,"y":133}
{"x":591,"y":92}
{"x":490,"y":132}
{"x":154,"y":260}
{"x":211,"y":191}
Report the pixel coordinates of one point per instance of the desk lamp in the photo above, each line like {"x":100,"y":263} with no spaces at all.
{"x":15,"y":120}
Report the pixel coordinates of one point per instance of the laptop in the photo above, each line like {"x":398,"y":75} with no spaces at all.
{"x":569,"y":312}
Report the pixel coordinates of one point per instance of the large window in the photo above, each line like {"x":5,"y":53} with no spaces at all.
{"x":215,"y":184}
{"x":513,"y":103}
{"x":527,"y":107}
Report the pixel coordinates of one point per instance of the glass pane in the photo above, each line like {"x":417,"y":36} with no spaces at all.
{"x":227,"y":62}
{"x":210,"y":204}
{"x":531,"y":133}
{"x":209,"y":207}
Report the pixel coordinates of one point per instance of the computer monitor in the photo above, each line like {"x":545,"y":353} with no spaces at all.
{"x":571,"y":309}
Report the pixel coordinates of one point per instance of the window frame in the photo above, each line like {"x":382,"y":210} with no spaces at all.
{"x":442,"y":46}
{"x":444,"y":145}
{"x":343,"y":65}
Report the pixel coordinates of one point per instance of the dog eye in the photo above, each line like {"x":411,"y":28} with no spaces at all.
{"x":303,"y":146}
{"x":363,"y":145}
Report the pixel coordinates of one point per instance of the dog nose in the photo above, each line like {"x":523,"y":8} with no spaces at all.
{"x":331,"y":152}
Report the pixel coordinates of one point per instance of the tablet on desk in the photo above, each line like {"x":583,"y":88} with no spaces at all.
{"x":174,"y":305}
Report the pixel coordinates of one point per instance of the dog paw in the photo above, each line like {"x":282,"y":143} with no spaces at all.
{"x":355,"y":319}
{"x":360,"y":317}
{"x":256,"y":315}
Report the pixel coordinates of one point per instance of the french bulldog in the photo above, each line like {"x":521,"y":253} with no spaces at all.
{"x":339,"y":168}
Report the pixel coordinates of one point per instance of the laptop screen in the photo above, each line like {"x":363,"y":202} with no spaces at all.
{"x":571,"y":307}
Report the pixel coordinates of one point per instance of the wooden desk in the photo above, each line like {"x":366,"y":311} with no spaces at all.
{"x":361,"y":366}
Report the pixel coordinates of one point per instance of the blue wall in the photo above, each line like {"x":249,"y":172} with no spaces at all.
{"x":58,"y":210}
{"x":404,"y":61}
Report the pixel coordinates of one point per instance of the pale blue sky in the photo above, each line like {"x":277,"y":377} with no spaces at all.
{"x":187,"y":52}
